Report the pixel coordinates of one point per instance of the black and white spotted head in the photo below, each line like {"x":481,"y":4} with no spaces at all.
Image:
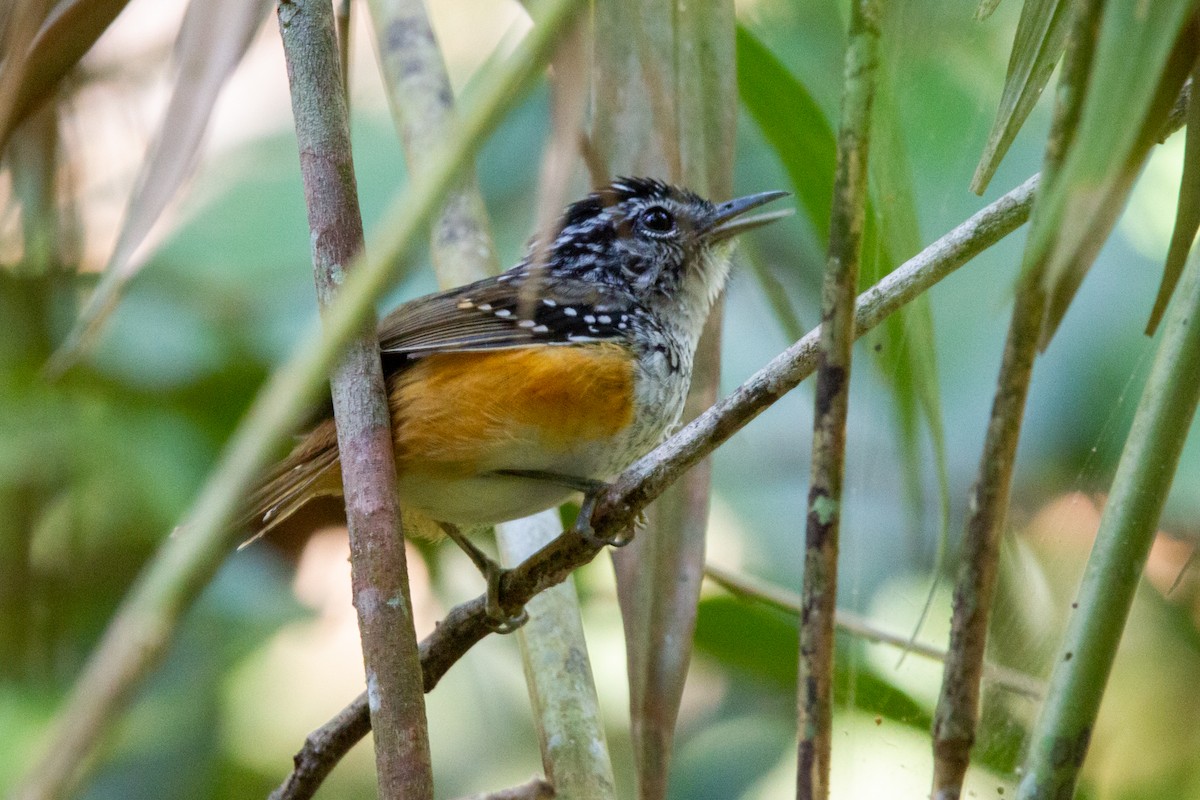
{"x":665,"y":245}
{"x":636,"y":257}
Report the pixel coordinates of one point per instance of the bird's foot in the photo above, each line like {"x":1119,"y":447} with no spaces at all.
{"x":583,"y":523}
{"x":497,"y":618}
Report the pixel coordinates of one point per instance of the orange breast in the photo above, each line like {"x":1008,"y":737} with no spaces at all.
{"x":454,"y":411}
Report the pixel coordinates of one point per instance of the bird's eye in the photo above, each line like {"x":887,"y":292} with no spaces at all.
{"x":657,"y":220}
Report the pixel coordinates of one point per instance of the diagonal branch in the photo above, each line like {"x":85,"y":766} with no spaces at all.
{"x":618,"y":507}
{"x":138,"y":635}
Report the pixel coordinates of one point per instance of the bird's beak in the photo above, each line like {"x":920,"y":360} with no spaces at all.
{"x":729,"y":222}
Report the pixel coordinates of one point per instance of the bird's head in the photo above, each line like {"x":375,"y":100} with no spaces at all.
{"x":665,"y":245}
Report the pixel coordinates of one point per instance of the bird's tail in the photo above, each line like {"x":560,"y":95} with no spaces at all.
{"x":311,"y":470}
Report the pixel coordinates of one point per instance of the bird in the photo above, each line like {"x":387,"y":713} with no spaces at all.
{"x":511,"y":394}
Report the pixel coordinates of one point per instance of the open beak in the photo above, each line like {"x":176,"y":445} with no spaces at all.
{"x":729,"y":222}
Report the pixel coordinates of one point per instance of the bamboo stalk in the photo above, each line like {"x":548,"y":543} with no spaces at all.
{"x":1140,"y":487}
{"x":379,"y":571}
{"x":819,"y":589}
{"x":140,"y":632}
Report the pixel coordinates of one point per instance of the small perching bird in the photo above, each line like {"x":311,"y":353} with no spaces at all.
{"x":512,"y":393}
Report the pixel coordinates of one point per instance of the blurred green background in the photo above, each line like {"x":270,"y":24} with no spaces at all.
{"x":96,"y":468}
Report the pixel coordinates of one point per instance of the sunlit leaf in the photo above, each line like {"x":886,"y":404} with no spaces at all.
{"x":212,"y":40}
{"x":1038,"y":45}
{"x":1122,"y":115}
{"x":1187,"y":214}
{"x":908,"y":357}
{"x":69,"y":31}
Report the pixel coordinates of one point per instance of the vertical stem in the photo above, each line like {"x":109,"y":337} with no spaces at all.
{"x":819,"y":592}
{"x":377,"y":559}
{"x":958,"y":704}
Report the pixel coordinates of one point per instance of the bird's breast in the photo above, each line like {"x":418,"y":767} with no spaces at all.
{"x":584,"y":411}
{"x":460,"y":410}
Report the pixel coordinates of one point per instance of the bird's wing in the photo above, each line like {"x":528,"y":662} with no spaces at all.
{"x":506,"y":311}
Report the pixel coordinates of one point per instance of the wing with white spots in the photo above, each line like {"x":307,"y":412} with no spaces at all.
{"x":506,"y":311}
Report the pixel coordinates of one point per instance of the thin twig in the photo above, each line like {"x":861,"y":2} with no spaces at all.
{"x":637,"y":486}
{"x":313,"y":762}
{"x":140,"y":632}
{"x":832,"y":403}
{"x":378,"y":567}
{"x":848,"y":622}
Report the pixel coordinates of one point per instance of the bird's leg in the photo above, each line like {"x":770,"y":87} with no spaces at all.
{"x":492,"y":573}
{"x":592,"y":490}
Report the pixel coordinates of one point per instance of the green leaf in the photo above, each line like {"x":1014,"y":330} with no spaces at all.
{"x":1187,"y":214}
{"x":1138,"y":67}
{"x":1038,"y":44}
{"x":908,"y":358}
{"x":763,"y":644}
{"x":792,"y":123}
